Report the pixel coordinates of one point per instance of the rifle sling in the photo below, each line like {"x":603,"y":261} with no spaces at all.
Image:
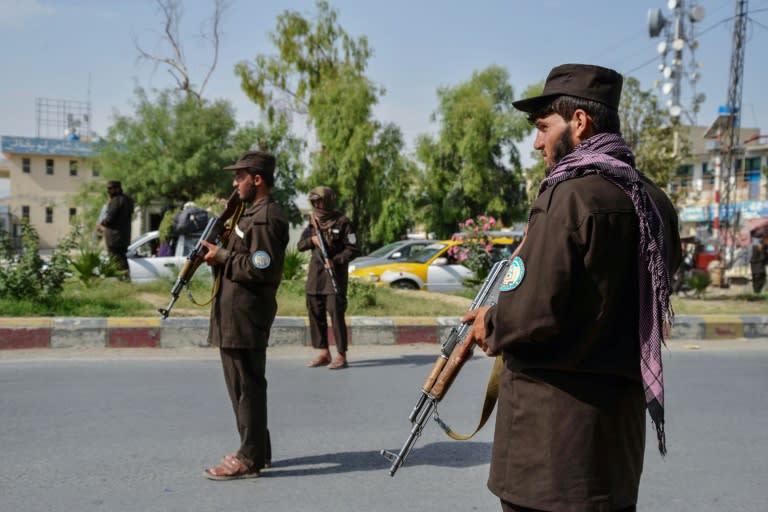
{"x":491,"y":394}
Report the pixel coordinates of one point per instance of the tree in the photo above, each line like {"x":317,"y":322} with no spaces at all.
{"x":174,"y":147}
{"x":473,"y":166}
{"x":650,"y":134}
{"x":309,"y":53}
{"x":171,"y":12}
{"x":318,"y":72}
{"x":359,"y":158}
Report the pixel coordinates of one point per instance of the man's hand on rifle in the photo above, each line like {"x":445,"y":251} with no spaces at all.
{"x":477,"y":332}
{"x":210,"y":256}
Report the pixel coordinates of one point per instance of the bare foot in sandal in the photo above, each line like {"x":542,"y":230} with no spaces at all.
{"x":231,"y":468}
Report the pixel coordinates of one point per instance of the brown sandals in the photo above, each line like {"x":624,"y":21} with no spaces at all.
{"x":231,"y":468}
{"x":320,"y":360}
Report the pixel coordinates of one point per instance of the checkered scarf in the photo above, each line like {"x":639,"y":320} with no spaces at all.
{"x":608,"y":156}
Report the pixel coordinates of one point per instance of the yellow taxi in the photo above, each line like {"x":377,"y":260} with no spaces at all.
{"x":434,"y":267}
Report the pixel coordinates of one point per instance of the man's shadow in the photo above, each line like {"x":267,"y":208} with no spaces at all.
{"x":444,"y":454}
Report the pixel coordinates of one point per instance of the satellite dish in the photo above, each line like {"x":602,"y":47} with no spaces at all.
{"x":696,"y":13}
{"x":656,"y":22}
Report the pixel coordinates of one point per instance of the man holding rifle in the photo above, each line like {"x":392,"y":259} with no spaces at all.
{"x":250,"y":267}
{"x":331,"y":238}
{"x":581,"y":313}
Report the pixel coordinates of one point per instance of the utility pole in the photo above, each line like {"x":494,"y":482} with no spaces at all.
{"x":732,"y":132}
{"x":726,"y":148}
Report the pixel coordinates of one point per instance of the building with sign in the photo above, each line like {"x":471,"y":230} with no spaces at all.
{"x":44,"y":175}
{"x":699,"y":183}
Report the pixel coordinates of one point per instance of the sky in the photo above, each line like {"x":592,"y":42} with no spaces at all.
{"x":85,"y":50}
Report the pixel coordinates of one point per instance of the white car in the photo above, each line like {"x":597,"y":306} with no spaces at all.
{"x":390,"y":253}
{"x":149,"y":260}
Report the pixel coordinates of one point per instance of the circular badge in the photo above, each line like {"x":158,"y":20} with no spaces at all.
{"x":260,"y":260}
{"x":514,"y":275}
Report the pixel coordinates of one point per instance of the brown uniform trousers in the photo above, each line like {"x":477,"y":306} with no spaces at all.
{"x":251,"y":267}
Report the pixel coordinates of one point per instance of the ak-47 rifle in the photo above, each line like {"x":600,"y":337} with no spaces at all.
{"x":453,"y":353}
{"x":327,"y":263}
{"x":214,"y":232}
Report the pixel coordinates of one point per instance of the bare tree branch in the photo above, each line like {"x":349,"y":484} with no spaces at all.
{"x":171,"y":12}
{"x":219,"y":7}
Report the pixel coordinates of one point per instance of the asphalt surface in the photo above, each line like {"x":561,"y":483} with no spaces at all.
{"x":132,"y":430}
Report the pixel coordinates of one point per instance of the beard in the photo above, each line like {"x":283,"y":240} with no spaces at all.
{"x":562,"y":147}
{"x":250,"y":195}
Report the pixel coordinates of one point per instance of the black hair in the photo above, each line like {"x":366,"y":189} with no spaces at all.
{"x":604,"y":118}
{"x":268,"y":177}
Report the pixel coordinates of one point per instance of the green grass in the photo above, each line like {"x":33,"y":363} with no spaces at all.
{"x":112,"y":298}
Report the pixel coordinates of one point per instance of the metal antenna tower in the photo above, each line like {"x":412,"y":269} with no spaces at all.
{"x":732,"y":130}
{"x":677,"y":36}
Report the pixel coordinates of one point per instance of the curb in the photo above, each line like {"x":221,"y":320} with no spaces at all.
{"x":183,"y":332}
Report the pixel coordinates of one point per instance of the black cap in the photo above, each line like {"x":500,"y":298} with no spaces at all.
{"x":580,"y":80}
{"x":257,"y":161}
{"x":114,"y":184}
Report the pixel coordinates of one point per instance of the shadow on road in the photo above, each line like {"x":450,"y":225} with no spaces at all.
{"x":412,"y":360}
{"x":445,"y":454}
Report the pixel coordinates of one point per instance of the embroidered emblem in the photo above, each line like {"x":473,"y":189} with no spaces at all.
{"x":260,"y":260}
{"x":352,"y":238}
{"x":514,"y":275}
{"x":239,"y":232}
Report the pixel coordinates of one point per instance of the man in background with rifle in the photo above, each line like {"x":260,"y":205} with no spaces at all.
{"x":331,"y":238}
{"x":581,"y":313}
{"x":249,"y":266}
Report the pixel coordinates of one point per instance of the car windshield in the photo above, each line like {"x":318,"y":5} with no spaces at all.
{"x":424,"y":254}
{"x":383,"y":251}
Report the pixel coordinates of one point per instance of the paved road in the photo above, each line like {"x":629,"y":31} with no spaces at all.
{"x":132,"y":430}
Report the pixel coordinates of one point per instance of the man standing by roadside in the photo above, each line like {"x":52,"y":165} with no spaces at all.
{"x":116,"y":224}
{"x":327,"y":280}
{"x":250,"y":268}
{"x":757,"y":261}
{"x":581,"y":316}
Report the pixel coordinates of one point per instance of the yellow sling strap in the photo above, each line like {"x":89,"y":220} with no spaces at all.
{"x":491,"y":395}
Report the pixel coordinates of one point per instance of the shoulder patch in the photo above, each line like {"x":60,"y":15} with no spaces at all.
{"x":351,"y":238}
{"x":260,"y":260}
{"x":514,"y":275}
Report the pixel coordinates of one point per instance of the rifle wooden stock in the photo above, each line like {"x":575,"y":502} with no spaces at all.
{"x":450,"y":370}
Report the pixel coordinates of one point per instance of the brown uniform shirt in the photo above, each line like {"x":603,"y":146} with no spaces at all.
{"x":341,"y":244}
{"x":570,"y":429}
{"x":251,"y":267}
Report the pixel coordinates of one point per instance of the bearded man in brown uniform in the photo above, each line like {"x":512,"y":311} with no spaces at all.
{"x":581,"y":314}
{"x":250,"y":268}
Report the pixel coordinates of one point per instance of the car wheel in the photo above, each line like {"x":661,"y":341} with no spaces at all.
{"x":405,"y":284}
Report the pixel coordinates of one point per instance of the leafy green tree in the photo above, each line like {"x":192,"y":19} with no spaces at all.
{"x":361,"y":159}
{"x":473,"y":166}
{"x":318,"y":71}
{"x":309,"y":52}
{"x":172,"y":149}
{"x":650,"y":133}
